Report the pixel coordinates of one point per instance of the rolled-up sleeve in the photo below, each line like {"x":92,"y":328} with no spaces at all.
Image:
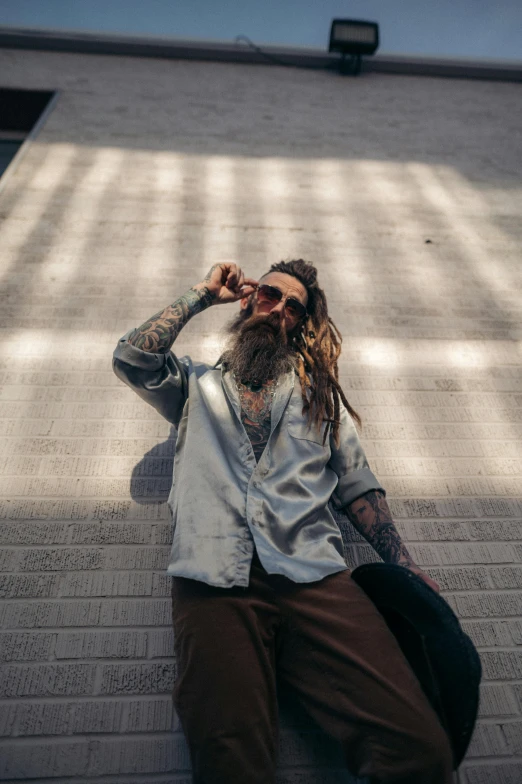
{"x":159,"y":379}
{"x":349,"y":462}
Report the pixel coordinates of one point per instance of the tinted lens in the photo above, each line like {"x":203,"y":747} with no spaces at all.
{"x":268,"y":294}
{"x":295,"y":308}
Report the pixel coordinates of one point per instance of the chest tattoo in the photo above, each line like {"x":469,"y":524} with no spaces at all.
{"x":256,"y":407}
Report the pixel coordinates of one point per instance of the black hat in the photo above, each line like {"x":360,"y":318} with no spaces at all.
{"x":429,"y":633}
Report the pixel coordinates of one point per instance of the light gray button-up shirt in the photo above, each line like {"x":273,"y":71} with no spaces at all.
{"x":222,"y":501}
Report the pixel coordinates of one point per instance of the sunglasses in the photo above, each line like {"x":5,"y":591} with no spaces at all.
{"x":271,"y":296}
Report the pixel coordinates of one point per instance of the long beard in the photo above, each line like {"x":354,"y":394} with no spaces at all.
{"x":259,"y":348}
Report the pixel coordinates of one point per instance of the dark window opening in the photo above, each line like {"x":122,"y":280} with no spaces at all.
{"x":8,"y":150}
{"x":20,"y":110}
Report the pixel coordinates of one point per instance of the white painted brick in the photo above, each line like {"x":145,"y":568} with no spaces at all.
{"x":161,"y":643}
{"x":148,"y":612}
{"x":136,"y":557}
{"x":465,"y":466}
{"x":164,"y":533}
{"x":156,"y":428}
{"x":66,"y":558}
{"x":517,"y":689}
{"x":488,"y":633}
{"x":111,"y":533}
{"x":137,"y":678}
{"x":150,"y":715}
{"x":22,"y":646}
{"x":7,"y":719}
{"x":502,"y":665}
{"x":101,"y":645}
{"x":9,"y":560}
{"x":427,"y":486}
{"x":19,"y":466}
{"x":503,"y":772}
{"x":34,"y":533}
{"x":23,"y":586}
{"x":457,"y":507}
{"x":499,"y":507}
{"x":489,"y":605}
{"x":59,"y":758}
{"x":516,"y":631}
{"x":487,"y":740}
{"x":109,"y":584}
{"x":507,"y":576}
{"x":513,"y":734}
{"x":94,"y":466}
{"x":457,"y":553}
{"x":459,"y":579}
{"x":492,"y":529}
{"x":497,"y":700}
{"x":119,"y":488}
{"x":44,"y":718}
{"x":81,"y":510}
{"x":161,"y":584}
{"x":22,"y":615}
{"x":47,"y":680}
{"x":97,"y":716}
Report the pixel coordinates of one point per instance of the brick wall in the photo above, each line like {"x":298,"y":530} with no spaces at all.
{"x":405,"y":192}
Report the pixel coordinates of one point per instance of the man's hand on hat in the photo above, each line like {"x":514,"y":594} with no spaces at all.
{"x":227,"y":283}
{"x":427,"y":579}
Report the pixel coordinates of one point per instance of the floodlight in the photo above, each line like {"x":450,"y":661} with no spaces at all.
{"x":355,"y":38}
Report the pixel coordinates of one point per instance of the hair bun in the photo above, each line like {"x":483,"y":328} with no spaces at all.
{"x":300,"y":269}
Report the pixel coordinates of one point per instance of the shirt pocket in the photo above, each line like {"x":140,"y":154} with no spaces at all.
{"x":298,"y":427}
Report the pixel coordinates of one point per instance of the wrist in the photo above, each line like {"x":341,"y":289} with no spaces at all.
{"x":409,"y":563}
{"x":206,"y":296}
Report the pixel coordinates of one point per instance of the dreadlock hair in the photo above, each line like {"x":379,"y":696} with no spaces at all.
{"x":318,"y":346}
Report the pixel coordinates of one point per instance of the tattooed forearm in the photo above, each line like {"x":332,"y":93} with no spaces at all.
{"x":159,"y":332}
{"x":371,"y":516}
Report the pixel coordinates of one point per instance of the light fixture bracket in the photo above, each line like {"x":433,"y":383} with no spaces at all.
{"x":353,"y":38}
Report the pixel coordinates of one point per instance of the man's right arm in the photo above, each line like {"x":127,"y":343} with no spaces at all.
{"x":223,"y":283}
{"x":143,"y":359}
{"x":160,"y":331}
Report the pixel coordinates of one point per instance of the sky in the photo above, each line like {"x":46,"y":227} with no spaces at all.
{"x":478,"y":29}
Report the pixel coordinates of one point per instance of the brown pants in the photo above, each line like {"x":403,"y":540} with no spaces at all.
{"x":328,"y":643}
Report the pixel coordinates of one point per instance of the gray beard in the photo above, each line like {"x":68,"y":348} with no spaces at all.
{"x":258,"y":349}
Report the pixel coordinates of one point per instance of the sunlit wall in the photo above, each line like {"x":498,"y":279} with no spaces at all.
{"x":406,"y":193}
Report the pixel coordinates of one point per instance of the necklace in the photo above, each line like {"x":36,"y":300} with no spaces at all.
{"x":256,"y":408}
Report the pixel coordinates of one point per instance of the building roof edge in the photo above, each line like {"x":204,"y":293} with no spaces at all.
{"x":225,"y":51}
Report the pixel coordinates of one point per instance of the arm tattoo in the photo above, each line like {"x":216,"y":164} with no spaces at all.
{"x":371,"y":516}
{"x":159,"y":332}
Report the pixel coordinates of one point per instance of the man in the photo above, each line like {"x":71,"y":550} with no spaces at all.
{"x":266,"y":441}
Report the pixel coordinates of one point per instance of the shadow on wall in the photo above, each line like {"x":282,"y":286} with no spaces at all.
{"x":151,"y":477}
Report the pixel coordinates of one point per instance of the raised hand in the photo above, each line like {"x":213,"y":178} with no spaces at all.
{"x":227,"y":283}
